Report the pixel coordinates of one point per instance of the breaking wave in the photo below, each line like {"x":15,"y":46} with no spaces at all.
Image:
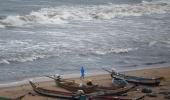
{"x":112,"y":50}
{"x":65,"y":14}
{"x":21,"y":59}
{"x":34,"y":55}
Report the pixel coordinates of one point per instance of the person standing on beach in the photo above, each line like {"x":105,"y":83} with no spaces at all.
{"x":82,"y":71}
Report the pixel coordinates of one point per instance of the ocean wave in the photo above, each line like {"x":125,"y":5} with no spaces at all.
{"x":154,"y":63}
{"x":152,"y":43}
{"x":15,"y":59}
{"x":112,"y":50}
{"x":65,"y":14}
{"x":51,"y":52}
{"x":156,"y":1}
{"x":160,"y":42}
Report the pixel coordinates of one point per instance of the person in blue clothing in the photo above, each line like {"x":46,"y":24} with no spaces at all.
{"x":82,"y":72}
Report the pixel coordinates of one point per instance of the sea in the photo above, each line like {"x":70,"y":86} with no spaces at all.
{"x":48,"y":37}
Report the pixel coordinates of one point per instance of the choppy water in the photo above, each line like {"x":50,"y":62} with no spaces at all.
{"x":39,"y":37}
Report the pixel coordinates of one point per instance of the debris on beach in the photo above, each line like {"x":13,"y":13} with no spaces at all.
{"x":151,"y":94}
{"x":167,"y":96}
{"x":147,"y":90}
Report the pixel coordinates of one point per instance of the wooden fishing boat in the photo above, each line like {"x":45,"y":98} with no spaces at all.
{"x":54,"y":93}
{"x":108,"y":88}
{"x":74,"y":96}
{"x":6,"y":98}
{"x":136,"y":79}
{"x":73,"y":86}
{"x":119,"y":91}
{"x":117,"y":98}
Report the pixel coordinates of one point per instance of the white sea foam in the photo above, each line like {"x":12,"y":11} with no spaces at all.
{"x":165,"y":42}
{"x":32,"y":55}
{"x":23,"y":58}
{"x":3,"y":61}
{"x":19,"y":51}
{"x":2,"y":26}
{"x":65,"y":14}
{"x":113,"y":50}
{"x":152,"y":43}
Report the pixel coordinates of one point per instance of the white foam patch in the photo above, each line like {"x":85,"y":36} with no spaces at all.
{"x":26,"y":55}
{"x":22,"y":58}
{"x":21,"y":51}
{"x":65,"y":14}
{"x":113,"y":50}
{"x":2,"y":26}
{"x":152,"y":43}
{"x":4,"y":61}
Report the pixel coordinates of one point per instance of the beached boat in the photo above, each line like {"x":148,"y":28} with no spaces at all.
{"x":135,"y":79}
{"x":118,"y":98}
{"x":106,"y":92}
{"x":75,"y":96}
{"x":6,"y":98}
{"x":54,"y":93}
{"x":73,"y":86}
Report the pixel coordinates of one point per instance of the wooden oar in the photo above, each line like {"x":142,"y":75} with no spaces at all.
{"x":52,"y":77}
{"x":107,"y":70}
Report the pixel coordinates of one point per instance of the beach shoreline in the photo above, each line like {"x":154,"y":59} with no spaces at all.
{"x":103,"y":79}
{"x":77,"y":75}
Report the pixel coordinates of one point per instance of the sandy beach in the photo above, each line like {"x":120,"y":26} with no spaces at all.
{"x":104,"y":80}
{"x":49,"y":37}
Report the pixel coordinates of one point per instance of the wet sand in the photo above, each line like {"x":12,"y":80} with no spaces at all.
{"x":104,"y":80}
